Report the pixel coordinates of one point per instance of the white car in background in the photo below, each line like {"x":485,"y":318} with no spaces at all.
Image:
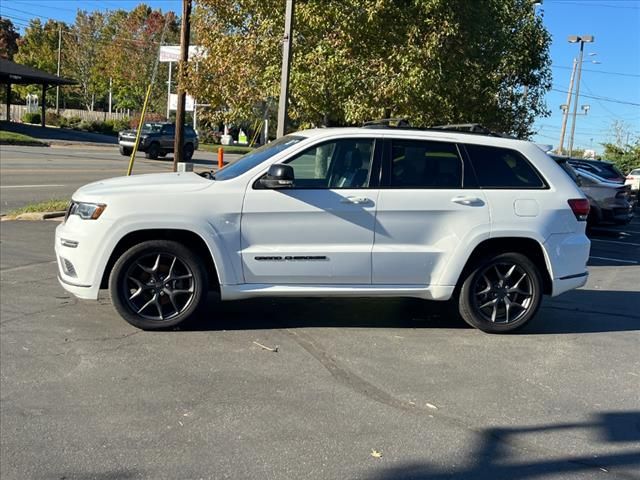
{"x":382,"y":211}
{"x":633,"y":179}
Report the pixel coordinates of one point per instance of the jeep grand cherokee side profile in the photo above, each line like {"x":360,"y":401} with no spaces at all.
{"x":492,"y":223}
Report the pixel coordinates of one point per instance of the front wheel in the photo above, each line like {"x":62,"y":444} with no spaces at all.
{"x":501,"y":294}
{"x":153,"y":151}
{"x":188,"y":152}
{"x":158,"y":284}
{"x":126,"y":151}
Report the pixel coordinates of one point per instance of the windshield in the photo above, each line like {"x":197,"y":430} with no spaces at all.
{"x":151,"y":127}
{"x":255,"y":158}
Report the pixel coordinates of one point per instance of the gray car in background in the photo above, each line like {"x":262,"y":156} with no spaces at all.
{"x":609,"y":201}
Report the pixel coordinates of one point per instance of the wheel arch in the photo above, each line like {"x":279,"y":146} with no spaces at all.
{"x":526,"y":246}
{"x":185,"y":237}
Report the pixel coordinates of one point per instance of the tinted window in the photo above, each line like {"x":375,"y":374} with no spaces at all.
{"x":422,"y":164}
{"x":502,"y":168}
{"x":169,"y":130}
{"x":256,"y":157}
{"x":338,"y":164}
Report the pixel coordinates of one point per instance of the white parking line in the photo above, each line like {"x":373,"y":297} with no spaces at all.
{"x":615,"y":260}
{"x":30,"y":186}
{"x":616,"y":242}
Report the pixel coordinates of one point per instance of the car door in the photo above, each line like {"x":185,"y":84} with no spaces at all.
{"x":428,"y":206}
{"x":321,"y":230}
{"x":167,"y":137}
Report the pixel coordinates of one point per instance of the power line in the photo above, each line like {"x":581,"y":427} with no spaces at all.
{"x":604,"y":99}
{"x":599,"y":71}
{"x":589,"y":4}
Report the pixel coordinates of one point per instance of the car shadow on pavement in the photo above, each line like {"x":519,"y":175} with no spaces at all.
{"x":494,"y":455}
{"x":581,"y":311}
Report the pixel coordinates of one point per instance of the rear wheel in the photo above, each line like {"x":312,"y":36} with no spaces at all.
{"x":126,"y":151}
{"x":153,"y":151}
{"x":188,"y":152}
{"x":501,"y":294}
{"x":158,"y":284}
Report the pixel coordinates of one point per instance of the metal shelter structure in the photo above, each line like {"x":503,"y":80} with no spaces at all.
{"x":12,"y":73}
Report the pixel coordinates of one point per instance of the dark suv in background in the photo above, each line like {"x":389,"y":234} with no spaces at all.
{"x":157,"y":139}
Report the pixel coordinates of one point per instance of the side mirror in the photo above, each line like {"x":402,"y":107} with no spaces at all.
{"x":278,"y":176}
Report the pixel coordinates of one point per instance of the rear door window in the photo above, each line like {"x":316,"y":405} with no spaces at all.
{"x":425,"y":165}
{"x":503,"y":168}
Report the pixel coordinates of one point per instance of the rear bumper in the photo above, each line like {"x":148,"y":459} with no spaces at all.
{"x":568,"y":255}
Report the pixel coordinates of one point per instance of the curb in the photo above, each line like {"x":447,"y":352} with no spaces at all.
{"x":36,"y":216}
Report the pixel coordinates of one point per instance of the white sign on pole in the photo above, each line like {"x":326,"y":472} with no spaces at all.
{"x":173,"y":103}
{"x":171,"y":53}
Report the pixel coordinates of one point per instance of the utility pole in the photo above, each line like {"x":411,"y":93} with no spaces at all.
{"x":58,"y":86}
{"x":286,"y":63}
{"x":185,"y":30}
{"x":574,"y":39}
{"x":565,"y":113}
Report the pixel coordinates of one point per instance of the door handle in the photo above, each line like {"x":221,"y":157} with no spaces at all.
{"x":355,"y":200}
{"x":468,"y":201}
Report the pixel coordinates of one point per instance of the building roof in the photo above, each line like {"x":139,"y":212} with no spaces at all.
{"x":11,"y":72}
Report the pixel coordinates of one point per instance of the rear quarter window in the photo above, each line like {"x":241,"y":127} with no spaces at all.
{"x":503,"y":168}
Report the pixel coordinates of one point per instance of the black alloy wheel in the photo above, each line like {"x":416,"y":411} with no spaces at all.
{"x":158,"y":284}
{"x":501,"y":294}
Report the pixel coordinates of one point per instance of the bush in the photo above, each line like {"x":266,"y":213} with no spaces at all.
{"x":209,"y":136}
{"x":83,"y":125}
{"x":52,"y":118}
{"x":73,"y":121}
{"x":31,"y":118}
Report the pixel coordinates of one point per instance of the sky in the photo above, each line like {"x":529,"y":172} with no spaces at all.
{"x":614,"y":80}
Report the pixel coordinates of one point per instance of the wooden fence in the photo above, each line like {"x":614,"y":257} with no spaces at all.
{"x":18,"y":110}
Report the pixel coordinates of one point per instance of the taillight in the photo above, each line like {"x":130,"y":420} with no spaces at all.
{"x":580,"y":208}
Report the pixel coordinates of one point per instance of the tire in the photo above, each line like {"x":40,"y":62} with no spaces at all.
{"x":126,"y":151}
{"x":187,"y":153}
{"x":507,"y":278}
{"x":158,"y":284}
{"x":153,"y":151}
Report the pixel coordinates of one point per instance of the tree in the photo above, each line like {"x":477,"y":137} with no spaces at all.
{"x":624,"y":150}
{"x":84,"y":53}
{"x":134,"y":41}
{"x":8,"y":39}
{"x":430,"y":61}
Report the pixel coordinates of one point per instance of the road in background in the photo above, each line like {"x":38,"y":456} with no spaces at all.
{"x":34,"y":174}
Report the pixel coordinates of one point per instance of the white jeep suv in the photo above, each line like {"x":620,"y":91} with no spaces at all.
{"x":354,"y":212}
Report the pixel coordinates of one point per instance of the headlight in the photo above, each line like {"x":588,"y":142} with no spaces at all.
{"x":86,"y":211}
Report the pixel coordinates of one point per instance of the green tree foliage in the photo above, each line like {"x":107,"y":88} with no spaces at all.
{"x":8,"y":39}
{"x":83,"y":54}
{"x":624,"y":150}
{"x":431,"y":61}
{"x":38,"y":48}
{"x":134,"y":41}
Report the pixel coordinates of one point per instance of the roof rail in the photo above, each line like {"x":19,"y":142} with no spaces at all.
{"x":403,"y":123}
{"x":470,"y":128}
{"x":387,"y":123}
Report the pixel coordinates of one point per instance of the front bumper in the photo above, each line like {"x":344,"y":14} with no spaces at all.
{"x":77,"y":254}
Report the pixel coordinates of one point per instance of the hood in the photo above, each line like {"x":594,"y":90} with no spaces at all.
{"x":149,"y":184}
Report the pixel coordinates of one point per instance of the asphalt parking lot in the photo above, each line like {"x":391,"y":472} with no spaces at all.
{"x":85,"y":396}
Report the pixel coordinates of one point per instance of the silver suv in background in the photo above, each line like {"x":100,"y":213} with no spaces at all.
{"x":609,"y":201}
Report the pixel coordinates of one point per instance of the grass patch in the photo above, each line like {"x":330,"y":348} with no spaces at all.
{"x":47,"y":206}
{"x":207,"y":147}
{"x":12,"y":138}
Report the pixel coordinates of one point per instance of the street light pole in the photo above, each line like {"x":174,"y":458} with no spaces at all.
{"x":58,"y":86}
{"x":286,"y":63}
{"x":565,"y":113}
{"x":574,"y":39}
